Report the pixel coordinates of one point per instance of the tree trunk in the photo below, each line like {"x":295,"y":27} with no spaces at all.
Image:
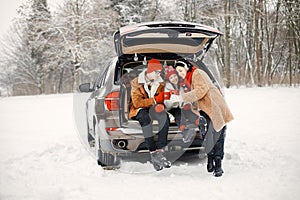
{"x":257,"y":42}
{"x":227,"y":43}
{"x":261,"y":40}
{"x":60,"y":83}
{"x":271,"y":40}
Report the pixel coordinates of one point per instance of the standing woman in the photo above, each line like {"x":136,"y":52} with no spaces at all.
{"x":212,"y":106}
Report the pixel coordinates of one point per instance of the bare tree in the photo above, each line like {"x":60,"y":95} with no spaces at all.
{"x":227,"y":43}
{"x":26,"y":48}
{"x":84,"y":31}
{"x":293,"y":36}
{"x":47,"y":53}
{"x":257,"y":40}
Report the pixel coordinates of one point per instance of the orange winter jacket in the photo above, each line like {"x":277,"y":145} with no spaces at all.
{"x":140,"y":97}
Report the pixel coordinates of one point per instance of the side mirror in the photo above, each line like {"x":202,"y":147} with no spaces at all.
{"x":85,"y":87}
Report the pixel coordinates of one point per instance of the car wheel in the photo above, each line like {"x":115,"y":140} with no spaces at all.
{"x":106,"y":160}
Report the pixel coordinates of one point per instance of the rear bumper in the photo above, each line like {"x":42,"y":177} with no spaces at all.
{"x":124,"y":141}
{"x":136,"y":143}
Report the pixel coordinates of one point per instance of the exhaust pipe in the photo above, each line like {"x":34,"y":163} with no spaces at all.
{"x":122,"y":144}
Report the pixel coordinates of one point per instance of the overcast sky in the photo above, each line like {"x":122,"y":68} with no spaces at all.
{"x":8,"y":12}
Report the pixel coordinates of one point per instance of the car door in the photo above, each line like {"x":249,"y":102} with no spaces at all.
{"x":91,"y":102}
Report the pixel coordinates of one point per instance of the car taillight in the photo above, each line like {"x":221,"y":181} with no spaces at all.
{"x":112,"y":101}
{"x":111,"y":128}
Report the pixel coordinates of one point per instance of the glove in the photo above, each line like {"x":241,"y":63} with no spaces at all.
{"x":167,"y":95}
{"x":159,"y":108}
{"x":159,"y":98}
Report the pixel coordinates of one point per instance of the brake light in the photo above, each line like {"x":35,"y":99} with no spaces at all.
{"x":112,"y":101}
{"x":111,"y":128}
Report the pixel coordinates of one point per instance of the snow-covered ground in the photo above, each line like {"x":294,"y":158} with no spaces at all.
{"x":42,"y":156}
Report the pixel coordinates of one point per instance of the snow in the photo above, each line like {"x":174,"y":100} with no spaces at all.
{"x":42,"y":155}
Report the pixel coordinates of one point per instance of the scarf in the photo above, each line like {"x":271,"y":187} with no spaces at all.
{"x":187,"y":81}
{"x":189,"y":75}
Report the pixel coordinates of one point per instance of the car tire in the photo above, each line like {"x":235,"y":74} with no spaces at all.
{"x":108,"y":161}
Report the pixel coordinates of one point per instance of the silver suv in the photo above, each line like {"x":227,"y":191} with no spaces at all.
{"x":111,"y":133}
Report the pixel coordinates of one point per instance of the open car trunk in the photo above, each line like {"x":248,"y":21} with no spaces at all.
{"x":164,"y":37}
{"x":167,"y":42}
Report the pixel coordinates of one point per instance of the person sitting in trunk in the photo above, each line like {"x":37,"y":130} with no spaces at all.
{"x":184,"y":117}
{"x":147,"y":94}
{"x":213,"y":107}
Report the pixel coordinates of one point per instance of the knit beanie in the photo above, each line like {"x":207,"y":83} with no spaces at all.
{"x":169,"y":71}
{"x":154,"y":65}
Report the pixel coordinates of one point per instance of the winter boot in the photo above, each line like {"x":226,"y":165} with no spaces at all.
{"x":188,"y":133}
{"x":163,"y":159}
{"x":218,"y":167}
{"x":202,"y":124}
{"x":159,"y":161}
{"x":210,"y":164}
{"x":156,"y":161}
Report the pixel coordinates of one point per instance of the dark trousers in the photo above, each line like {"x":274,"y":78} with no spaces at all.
{"x":214,"y":140}
{"x":176,"y":112}
{"x":145,"y":117}
{"x":183,"y":117}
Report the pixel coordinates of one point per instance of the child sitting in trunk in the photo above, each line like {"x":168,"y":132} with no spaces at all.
{"x":184,"y":117}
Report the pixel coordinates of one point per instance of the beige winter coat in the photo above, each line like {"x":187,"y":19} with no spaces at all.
{"x":209,"y":99}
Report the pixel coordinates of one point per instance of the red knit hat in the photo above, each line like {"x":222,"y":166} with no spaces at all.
{"x":169,"y":71}
{"x":154,"y":65}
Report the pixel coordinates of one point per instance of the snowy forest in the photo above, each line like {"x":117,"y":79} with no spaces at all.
{"x":47,"y":52}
